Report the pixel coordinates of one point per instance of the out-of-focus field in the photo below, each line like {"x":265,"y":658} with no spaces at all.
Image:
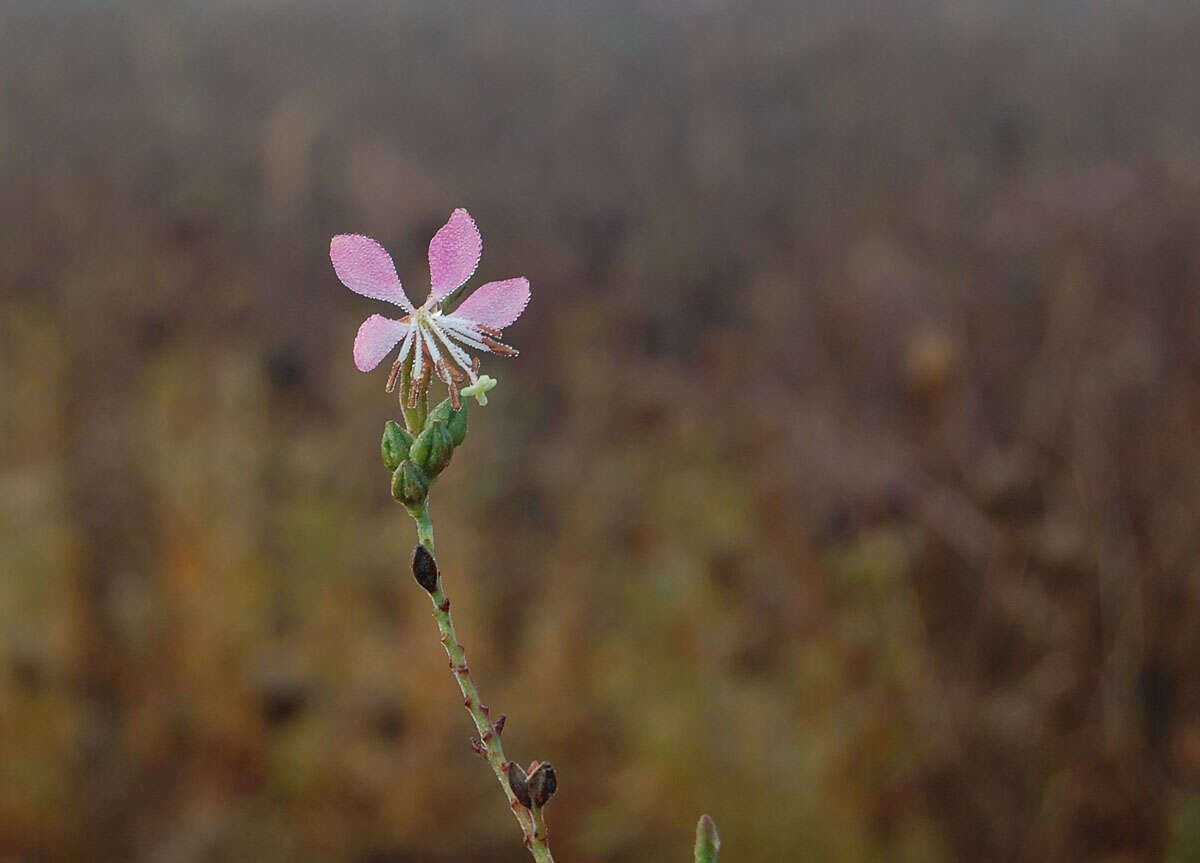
{"x":846,"y":487}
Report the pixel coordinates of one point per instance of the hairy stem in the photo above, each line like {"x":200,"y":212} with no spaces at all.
{"x":493,"y":749}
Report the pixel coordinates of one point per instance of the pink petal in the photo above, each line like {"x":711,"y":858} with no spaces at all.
{"x":496,"y":304}
{"x":453,"y":254}
{"x":375,"y":340}
{"x":366,"y":268}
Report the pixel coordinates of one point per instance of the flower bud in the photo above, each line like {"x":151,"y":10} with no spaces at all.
{"x":441,"y":447}
{"x":708,"y":842}
{"x":519,"y":784}
{"x":542,"y":783}
{"x":432,"y":448}
{"x":395,"y":445}
{"x":425,"y":568}
{"x":419,"y":452}
{"x":409,"y":484}
{"x":454,"y":420}
{"x":457,"y":425}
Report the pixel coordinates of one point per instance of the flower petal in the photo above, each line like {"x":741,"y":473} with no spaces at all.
{"x":366,"y":268}
{"x":375,"y":340}
{"x":453,"y":254}
{"x":496,"y":304}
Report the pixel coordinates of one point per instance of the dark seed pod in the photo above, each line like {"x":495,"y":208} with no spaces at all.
{"x":542,"y":783}
{"x":519,"y":784}
{"x":425,"y":569}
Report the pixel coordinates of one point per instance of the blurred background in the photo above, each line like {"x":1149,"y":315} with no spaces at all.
{"x":846,"y":487}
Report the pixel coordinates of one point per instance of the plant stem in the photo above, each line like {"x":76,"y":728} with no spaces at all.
{"x":535,"y":839}
{"x":540,"y":833}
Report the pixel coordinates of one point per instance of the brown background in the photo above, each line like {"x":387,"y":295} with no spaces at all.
{"x":846,"y":487}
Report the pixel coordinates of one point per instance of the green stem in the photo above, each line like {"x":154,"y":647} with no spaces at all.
{"x":410,"y":414}
{"x":493,"y":748}
{"x":540,"y":833}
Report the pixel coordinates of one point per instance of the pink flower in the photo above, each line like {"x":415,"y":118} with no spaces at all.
{"x":436,"y":340}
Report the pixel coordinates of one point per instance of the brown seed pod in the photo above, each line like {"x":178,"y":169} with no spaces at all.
{"x":424,"y":568}
{"x":542,"y":783}
{"x":518,"y":783}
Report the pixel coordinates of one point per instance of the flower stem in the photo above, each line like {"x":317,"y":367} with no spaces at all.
{"x":540,"y":833}
{"x":493,"y":749}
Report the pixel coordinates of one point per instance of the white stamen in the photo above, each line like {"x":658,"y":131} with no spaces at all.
{"x":458,"y":354}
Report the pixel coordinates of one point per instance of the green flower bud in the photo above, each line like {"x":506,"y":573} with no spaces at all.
{"x":419,"y":452}
{"x":395,"y":445}
{"x":432,"y":448}
{"x":542,"y":783}
{"x":708,"y":843}
{"x":441,"y":447}
{"x":454,"y":420}
{"x":409,"y":484}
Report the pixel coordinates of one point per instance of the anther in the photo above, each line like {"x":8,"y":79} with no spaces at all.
{"x":391,"y":381}
{"x":499,"y":347}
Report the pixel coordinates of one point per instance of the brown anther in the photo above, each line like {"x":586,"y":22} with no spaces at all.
{"x":499,"y":347}
{"x":496,"y":334}
{"x":421,"y":384}
{"x":454,"y":400}
{"x":395,"y":373}
{"x":475,"y":365}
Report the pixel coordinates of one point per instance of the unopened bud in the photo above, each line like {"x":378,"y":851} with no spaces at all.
{"x":708,"y":842}
{"x":432,"y":448}
{"x":455,"y":421}
{"x":441,"y":448}
{"x":395,"y":445}
{"x":518,"y":782}
{"x":425,"y":568}
{"x":409,"y":484}
{"x":542,"y":783}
